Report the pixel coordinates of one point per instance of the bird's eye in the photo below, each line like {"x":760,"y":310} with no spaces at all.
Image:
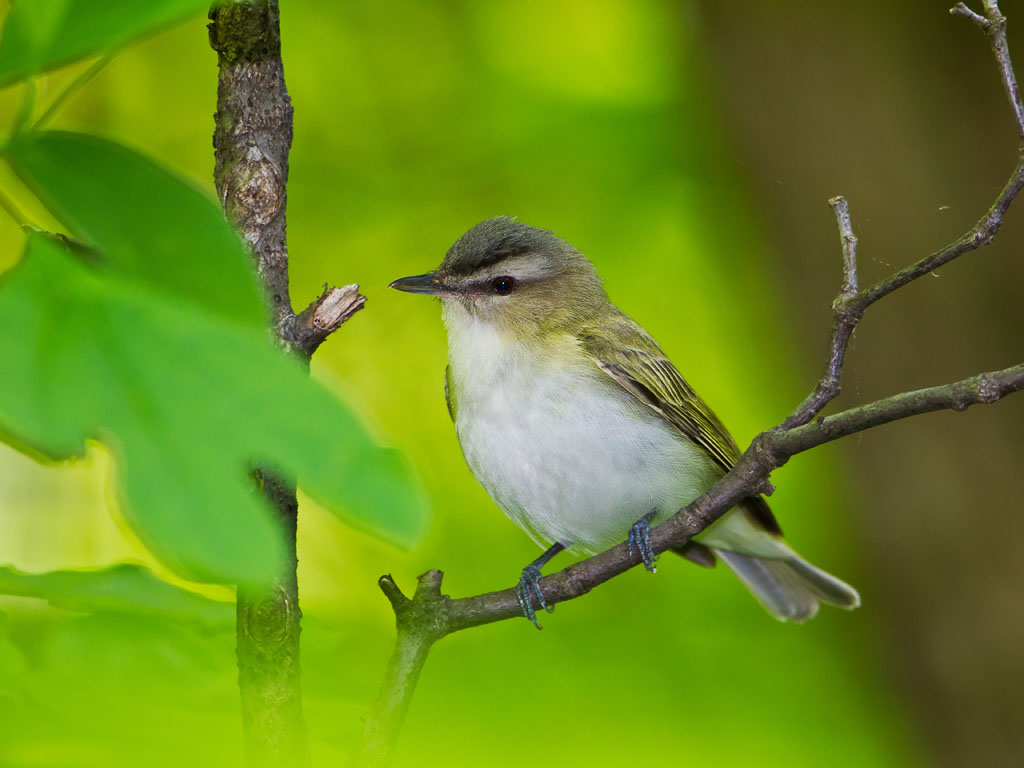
{"x":503,"y":285}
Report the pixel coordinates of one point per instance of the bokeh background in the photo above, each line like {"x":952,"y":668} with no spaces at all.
{"x":689,"y":148}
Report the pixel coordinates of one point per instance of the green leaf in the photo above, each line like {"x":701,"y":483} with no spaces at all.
{"x":151,"y":224}
{"x":189,"y":402}
{"x":120,"y":589}
{"x":40,"y":35}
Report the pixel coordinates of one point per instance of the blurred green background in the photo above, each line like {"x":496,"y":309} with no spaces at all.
{"x":689,"y":149}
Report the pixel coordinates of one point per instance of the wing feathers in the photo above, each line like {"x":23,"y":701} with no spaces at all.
{"x":628,"y":354}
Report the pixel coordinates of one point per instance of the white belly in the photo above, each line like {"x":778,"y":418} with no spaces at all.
{"x":566,"y":453}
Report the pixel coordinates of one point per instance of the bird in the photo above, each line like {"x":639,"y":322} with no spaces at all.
{"x":581,"y":429}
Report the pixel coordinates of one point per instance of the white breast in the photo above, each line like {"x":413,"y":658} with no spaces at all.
{"x":561,"y":448}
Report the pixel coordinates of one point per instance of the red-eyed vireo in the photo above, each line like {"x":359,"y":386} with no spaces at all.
{"x":580,"y":428}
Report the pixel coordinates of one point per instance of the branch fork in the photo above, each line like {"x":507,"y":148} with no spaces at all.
{"x":429,"y":615}
{"x":993,"y":24}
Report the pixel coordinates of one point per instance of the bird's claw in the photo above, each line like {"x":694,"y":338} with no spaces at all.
{"x":640,"y":541}
{"x":526,"y":589}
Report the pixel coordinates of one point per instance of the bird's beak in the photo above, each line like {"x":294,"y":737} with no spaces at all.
{"x":428,"y":284}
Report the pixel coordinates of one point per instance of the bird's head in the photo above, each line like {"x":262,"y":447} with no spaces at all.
{"x":519,"y":278}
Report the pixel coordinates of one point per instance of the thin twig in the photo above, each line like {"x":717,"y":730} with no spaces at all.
{"x":428,"y":615}
{"x":844,"y":321}
{"x":993,"y":24}
{"x":960,"y":9}
{"x":980,"y":235}
{"x":848,"y":309}
{"x":841,"y":208}
{"x":850,"y":304}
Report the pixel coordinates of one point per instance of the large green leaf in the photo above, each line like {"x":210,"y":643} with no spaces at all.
{"x":121,"y":589}
{"x":188,"y":401}
{"x":40,"y":35}
{"x":149,"y":223}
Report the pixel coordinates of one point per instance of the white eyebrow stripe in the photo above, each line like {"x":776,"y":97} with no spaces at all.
{"x":526,"y":268}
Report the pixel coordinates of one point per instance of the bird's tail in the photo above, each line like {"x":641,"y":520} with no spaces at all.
{"x":789,"y":588}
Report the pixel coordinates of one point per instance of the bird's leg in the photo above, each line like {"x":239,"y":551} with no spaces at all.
{"x":640,"y":541}
{"x":529,"y":584}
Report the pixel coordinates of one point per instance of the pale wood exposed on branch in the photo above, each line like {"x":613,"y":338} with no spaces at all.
{"x":315,"y":323}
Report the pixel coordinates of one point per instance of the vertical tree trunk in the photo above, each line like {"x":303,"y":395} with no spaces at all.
{"x":252,"y":138}
{"x":268,"y":626}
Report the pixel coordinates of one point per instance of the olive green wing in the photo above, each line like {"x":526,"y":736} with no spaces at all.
{"x":628,"y":354}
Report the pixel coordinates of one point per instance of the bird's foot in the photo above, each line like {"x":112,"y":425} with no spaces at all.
{"x":529,"y":584}
{"x":640,"y":541}
{"x":528,"y":587}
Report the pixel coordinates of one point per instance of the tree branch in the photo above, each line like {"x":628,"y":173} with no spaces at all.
{"x":844,"y":321}
{"x":429,"y":616}
{"x":421,"y":621}
{"x":768,"y":451}
{"x":253,"y":136}
{"x":315,"y":323}
{"x":993,"y":24}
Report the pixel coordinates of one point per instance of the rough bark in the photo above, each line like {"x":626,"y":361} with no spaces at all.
{"x":252,"y":138}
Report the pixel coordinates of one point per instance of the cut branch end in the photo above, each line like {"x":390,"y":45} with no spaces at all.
{"x":392,"y":592}
{"x":311,"y":327}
